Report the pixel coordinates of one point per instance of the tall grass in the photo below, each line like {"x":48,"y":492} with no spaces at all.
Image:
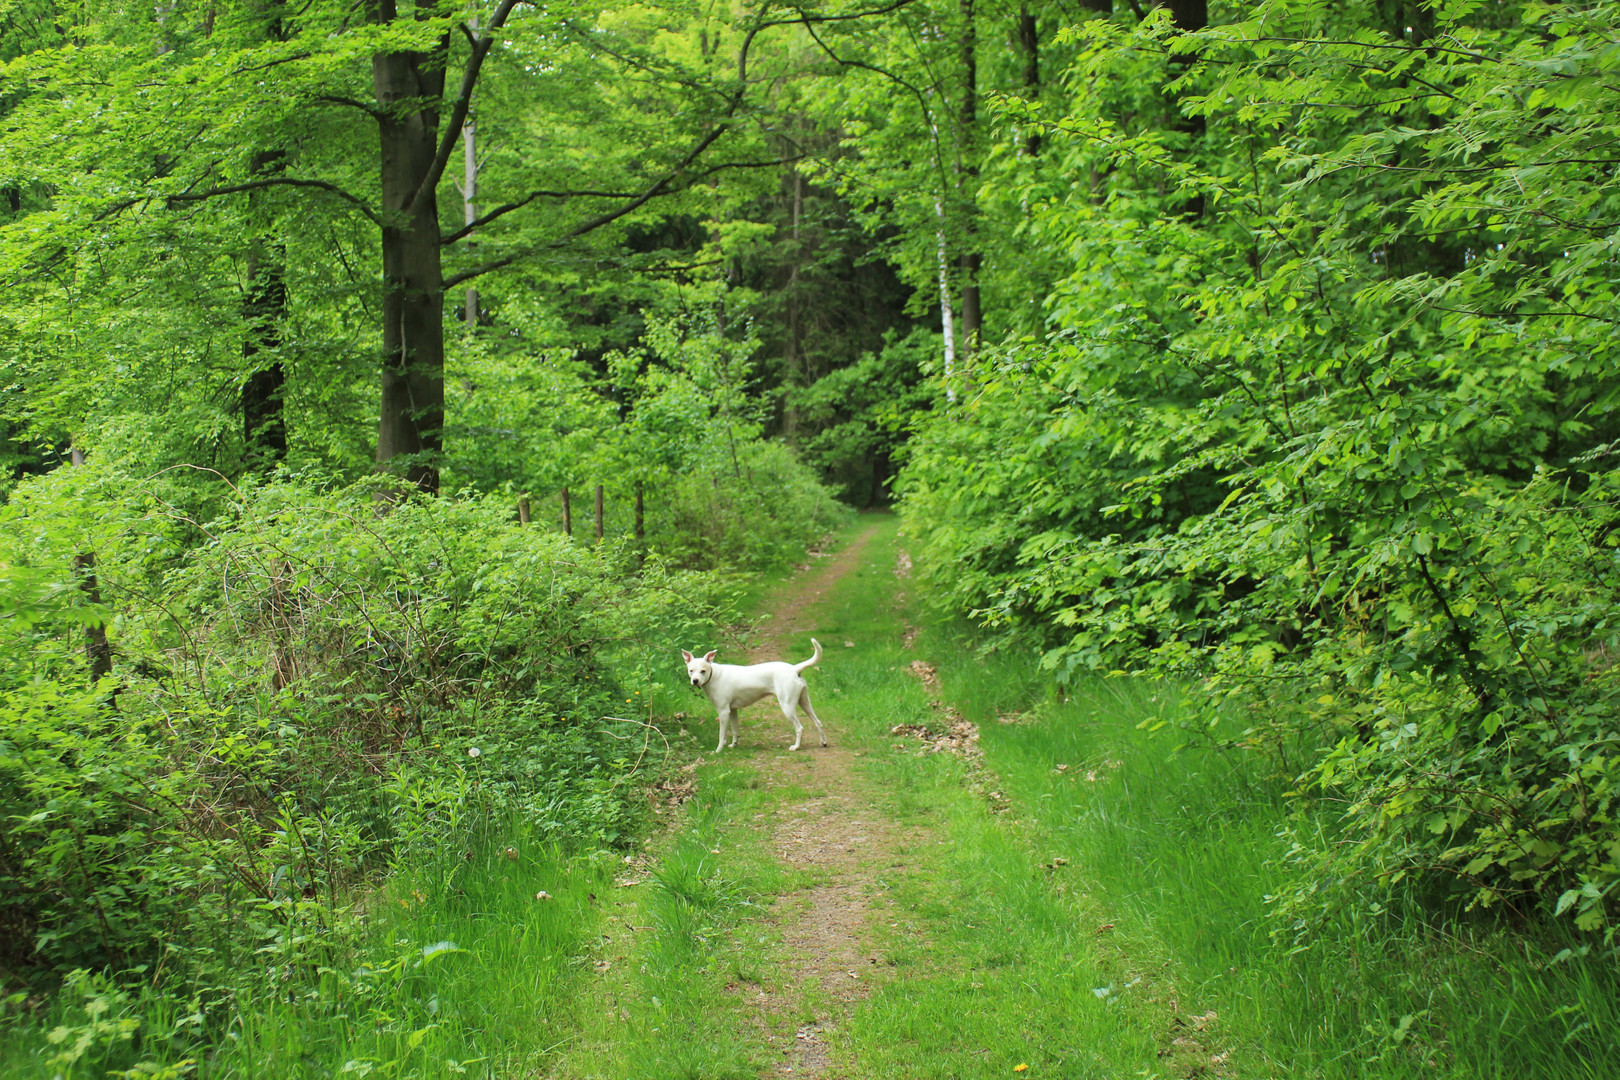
{"x":463,"y":962}
{"x":1179,"y":845}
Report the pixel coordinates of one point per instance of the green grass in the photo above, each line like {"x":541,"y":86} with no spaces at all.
{"x":994,"y":962}
{"x":1180,"y":849}
{"x":456,"y":965}
{"x":682,"y":947}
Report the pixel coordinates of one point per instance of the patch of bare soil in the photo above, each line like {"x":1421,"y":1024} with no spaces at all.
{"x":952,"y":734}
{"x":836,"y":835}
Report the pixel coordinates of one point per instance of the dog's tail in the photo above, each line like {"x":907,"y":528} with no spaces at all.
{"x":813,"y":660}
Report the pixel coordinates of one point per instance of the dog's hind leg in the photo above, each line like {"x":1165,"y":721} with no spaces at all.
{"x":791,"y":711}
{"x":809,"y":710}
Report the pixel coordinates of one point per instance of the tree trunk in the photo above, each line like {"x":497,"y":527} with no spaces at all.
{"x":598,"y":513}
{"x":264,"y":309}
{"x":1029,"y":40}
{"x":640,"y":527}
{"x":96,"y":649}
{"x":947,"y":319}
{"x":971,"y":259}
{"x":568,"y":516}
{"x":793,"y":358}
{"x":469,"y":198}
{"x":1189,"y":15}
{"x":409,"y":87}
{"x":523,"y":510}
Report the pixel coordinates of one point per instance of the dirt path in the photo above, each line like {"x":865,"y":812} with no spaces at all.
{"x":835,"y":836}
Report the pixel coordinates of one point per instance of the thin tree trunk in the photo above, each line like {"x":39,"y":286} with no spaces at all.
{"x":968,"y":163}
{"x":469,"y":197}
{"x":1029,"y":40}
{"x":409,"y":87}
{"x":598,"y":513}
{"x":96,"y":649}
{"x":1189,"y":15}
{"x":947,"y":320}
{"x":640,"y":527}
{"x":264,"y":309}
{"x":793,"y":360}
{"x":568,"y":515}
{"x":523,"y":510}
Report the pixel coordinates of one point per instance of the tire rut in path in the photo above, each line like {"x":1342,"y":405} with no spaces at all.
{"x":838,"y":835}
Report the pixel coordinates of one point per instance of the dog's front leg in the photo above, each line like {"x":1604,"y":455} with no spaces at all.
{"x":724,"y":714}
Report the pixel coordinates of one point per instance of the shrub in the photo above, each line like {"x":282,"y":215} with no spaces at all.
{"x":303,"y":691}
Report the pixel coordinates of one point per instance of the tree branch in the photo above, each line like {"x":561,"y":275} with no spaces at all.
{"x":254,"y":185}
{"x":458,"y":111}
{"x":662,"y":185}
{"x":506,"y":208}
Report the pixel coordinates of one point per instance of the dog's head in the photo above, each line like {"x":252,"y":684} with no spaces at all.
{"x":699,"y":668}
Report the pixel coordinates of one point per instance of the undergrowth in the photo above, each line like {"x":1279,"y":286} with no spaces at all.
{"x":306,"y":814}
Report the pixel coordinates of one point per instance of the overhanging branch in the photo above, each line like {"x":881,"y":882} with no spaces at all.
{"x":252,"y":185}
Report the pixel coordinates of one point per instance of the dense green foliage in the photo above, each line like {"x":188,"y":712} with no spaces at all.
{"x":1267,"y":349}
{"x":297,"y":689}
{"x":1326,"y":421}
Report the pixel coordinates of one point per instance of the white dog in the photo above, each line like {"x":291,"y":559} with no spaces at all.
{"x":733,"y":686}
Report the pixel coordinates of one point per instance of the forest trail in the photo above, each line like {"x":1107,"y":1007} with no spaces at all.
{"x":887,"y":904}
{"x":768,"y":986}
{"x":839,"y":837}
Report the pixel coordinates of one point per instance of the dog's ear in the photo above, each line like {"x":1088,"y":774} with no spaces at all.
{"x":687,"y":655}
{"x":709,"y":656}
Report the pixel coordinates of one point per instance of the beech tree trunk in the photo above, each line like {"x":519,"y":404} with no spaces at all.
{"x":409,"y":88}
{"x":598,"y":513}
{"x":568,"y":516}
